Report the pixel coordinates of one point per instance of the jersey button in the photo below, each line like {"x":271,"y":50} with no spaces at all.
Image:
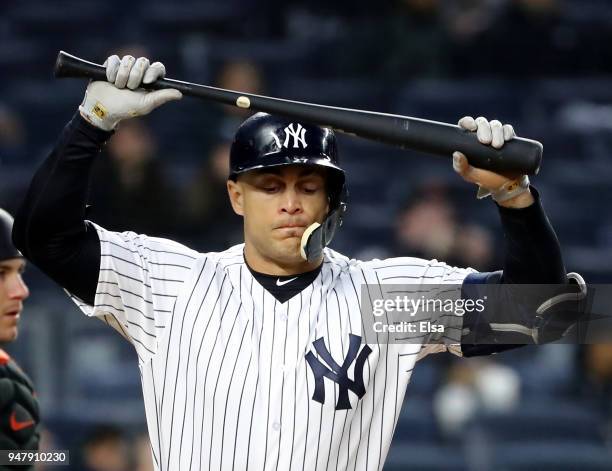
{"x":284,"y":317}
{"x":276,"y":426}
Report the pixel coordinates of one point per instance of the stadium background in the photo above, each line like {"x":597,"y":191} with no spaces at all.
{"x":542,"y":65}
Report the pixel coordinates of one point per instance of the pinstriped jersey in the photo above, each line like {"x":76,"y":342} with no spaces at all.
{"x":233,"y":379}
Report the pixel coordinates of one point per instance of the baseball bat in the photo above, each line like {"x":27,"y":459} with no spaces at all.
{"x":518,"y":156}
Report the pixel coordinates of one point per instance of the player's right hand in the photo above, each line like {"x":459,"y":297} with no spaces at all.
{"x":107,"y":103}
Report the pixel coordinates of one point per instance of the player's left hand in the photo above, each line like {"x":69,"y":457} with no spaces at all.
{"x":507,"y":190}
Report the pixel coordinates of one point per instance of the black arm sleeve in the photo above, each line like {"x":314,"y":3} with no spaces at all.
{"x":50,"y":228}
{"x":532,"y":256}
{"x":533,"y":253}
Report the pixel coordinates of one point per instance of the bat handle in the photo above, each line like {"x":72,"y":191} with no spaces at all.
{"x":69,"y":66}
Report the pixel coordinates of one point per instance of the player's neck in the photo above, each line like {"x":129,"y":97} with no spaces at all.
{"x":257,"y":262}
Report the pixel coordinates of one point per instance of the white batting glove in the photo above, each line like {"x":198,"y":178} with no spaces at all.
{"x":501,"y":187}
{"x":107,"y":103}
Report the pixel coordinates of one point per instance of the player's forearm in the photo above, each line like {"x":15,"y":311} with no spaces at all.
{"x":50,"y":229}
{"x":533,"y":253}
{"x":533,"y":256}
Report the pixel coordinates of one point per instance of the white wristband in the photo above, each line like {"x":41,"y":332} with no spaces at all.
{"x":508,"y":190}
{"x":97,"y":114}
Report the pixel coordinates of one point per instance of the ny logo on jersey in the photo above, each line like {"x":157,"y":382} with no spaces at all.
{"x":298,"y":134}
{"x":337,"y":373}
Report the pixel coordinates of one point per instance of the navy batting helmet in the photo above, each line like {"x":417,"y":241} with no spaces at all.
{"x":264,"y":141}
{"x":7,"y":249}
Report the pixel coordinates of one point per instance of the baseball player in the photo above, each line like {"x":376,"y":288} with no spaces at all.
{"x":253,"y":358}
{"x":19,"y":413}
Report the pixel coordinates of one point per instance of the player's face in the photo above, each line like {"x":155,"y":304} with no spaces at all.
{"x":278,"y":204}
{"x":13,"y":291}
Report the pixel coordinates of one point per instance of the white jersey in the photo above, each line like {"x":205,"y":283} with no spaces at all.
{"x":233,"y":379}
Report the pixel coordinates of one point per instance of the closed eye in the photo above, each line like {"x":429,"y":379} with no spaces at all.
{"x":270,"y":189}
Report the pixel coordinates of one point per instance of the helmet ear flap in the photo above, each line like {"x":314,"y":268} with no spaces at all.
{"x":318,"y":236}
{"x":336,"y":188}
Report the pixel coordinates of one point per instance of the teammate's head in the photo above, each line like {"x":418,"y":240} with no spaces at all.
{"x":284,"y":176}
{"x":13,"y":290}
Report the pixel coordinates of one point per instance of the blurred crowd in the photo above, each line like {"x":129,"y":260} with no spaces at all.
{"x":544,"y":65}
{"x":440,"y":38}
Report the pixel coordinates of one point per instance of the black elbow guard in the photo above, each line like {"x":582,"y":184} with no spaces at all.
{"x":518,"y":315}
{"x":558,"y":315}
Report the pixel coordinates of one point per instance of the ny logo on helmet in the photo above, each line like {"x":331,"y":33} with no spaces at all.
{"x":298,"y":134}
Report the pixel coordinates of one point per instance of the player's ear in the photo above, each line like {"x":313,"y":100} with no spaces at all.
{"x":234,"y":190}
